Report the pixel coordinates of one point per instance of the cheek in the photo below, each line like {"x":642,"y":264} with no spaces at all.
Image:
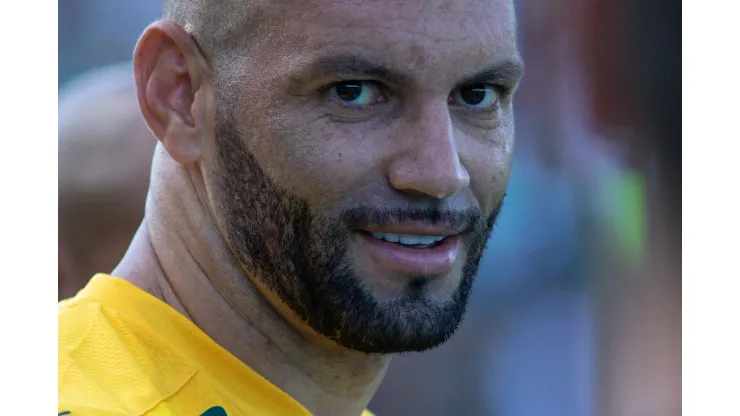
{"x":319,"y":160}
{"x":489,"y":164}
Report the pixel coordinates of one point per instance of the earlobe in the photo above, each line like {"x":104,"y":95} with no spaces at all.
{"x":169,"y":71}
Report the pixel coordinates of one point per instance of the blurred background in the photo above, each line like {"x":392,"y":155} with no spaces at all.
{"x":577,"y":307}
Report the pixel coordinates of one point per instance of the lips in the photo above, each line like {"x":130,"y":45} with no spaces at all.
{"x":409,"y":240}
{"x":425,"y":252}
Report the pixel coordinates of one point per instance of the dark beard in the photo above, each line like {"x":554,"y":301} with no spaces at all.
{"x":303,"y":258}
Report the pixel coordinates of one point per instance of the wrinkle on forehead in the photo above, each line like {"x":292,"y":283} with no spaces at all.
{"x":437,"y":20}
{"x":385,"y":24}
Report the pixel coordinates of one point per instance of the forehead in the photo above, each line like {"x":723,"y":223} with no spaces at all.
{"x":423,"y":36}
{"x":436,"y":19}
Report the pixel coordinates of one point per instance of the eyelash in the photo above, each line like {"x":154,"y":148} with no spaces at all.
{"x":354,"y":107}
{"x":501,"y":93}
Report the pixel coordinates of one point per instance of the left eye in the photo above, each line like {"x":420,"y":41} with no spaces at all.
{"x":476,"y":96}
{"x":355,"y":92}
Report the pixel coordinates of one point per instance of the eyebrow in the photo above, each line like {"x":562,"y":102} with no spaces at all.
{"x":353,"y":66}
{"x":507,"y":73}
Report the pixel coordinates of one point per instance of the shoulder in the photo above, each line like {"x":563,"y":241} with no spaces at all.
{"x":82,"y":364}
{"x":110,"y":364}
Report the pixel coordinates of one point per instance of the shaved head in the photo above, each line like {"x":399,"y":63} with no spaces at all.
{"x":217,"y":25}
{"x":105,"y":152}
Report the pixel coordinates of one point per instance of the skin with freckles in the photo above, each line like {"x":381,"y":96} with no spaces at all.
{"x":291,"y":132}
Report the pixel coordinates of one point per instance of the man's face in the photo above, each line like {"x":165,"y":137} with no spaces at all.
{"x":361,"y":157}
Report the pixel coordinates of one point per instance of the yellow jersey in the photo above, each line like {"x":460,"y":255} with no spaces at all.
{"x":125,"y":352}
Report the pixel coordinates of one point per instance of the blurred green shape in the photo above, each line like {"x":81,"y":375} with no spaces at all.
{"x":631,"y":231}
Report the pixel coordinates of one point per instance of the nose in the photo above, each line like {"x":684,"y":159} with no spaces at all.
{"x":429,"y":162}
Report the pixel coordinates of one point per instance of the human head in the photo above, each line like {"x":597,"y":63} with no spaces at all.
{"x":105,"y":153}
{"x":313,"y":123}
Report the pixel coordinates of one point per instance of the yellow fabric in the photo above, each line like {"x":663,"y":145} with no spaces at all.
{"x":125,"y":352}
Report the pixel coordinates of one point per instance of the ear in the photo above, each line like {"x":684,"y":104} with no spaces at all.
{"x":171,"y":73}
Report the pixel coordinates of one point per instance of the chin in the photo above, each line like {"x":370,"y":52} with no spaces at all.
{"x":416,"y":314}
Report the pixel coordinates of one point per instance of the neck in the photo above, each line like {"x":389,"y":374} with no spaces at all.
{"x":179,"y":256}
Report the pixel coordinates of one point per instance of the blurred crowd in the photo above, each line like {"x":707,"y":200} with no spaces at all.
{"x":576,"y":309}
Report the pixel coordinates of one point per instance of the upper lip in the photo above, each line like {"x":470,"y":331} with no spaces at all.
{"x":414,"y":229}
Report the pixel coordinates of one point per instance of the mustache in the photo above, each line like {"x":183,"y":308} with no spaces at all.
{"x":365,"y":216}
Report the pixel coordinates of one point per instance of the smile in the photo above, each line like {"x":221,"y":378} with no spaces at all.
{"x":412,"y":250}
{"x":410,"y":240}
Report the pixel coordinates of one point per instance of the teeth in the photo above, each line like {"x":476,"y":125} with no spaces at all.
{"x":429,"y":239}
{"x":408,"y":239}
{"x":393,"y":238}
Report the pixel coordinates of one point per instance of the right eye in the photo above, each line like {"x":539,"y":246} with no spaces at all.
{"x":356,"y":93}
